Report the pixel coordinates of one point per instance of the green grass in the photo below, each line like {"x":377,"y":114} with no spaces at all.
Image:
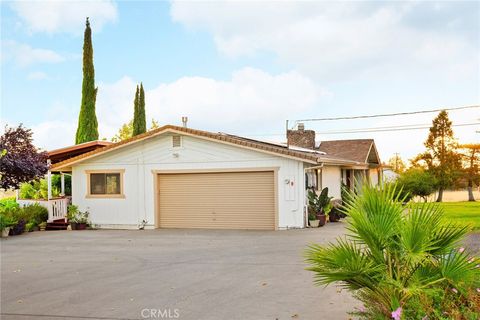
{"x":466,"y":213}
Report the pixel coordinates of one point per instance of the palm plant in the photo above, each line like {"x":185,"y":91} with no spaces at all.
{"x":394,"y":256}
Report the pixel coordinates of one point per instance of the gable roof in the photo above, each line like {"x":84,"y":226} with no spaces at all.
{"x":311,"y":156}
{"x":358,"y":150}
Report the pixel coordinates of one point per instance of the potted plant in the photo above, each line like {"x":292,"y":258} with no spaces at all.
{"x":82,"y":220}
{"x":312,"y":209}
{"x":6,"y":222}
{"x":323,"y":206}
{"x":72,"y":212}
{"x":319,"y":206}
{"x":335,"y":213}
{"x":42,"y":226}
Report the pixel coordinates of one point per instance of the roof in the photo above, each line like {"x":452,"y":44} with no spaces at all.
{"x":355,"y":150}
{"x":311,"y":156}
{"x":65,"y":153}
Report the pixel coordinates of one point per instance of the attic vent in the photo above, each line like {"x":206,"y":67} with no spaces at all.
{"x":176,"y":141}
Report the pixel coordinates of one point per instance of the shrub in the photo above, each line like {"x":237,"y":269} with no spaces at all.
{"x":8,"y":203}
{"x":37,"y":189}
{"x":34,"y":213}
{"x":400,"y":262}
{"x":417,"y":182}
{"x":6,"y":221}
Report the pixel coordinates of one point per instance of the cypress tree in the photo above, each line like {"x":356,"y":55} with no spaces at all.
{"x":87,"y":129}
{"x":139,"y":118}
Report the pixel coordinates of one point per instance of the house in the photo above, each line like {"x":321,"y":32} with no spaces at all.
{"x":178,"y":177}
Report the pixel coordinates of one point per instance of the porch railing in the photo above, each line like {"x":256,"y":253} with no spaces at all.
{"x":57,"y":207}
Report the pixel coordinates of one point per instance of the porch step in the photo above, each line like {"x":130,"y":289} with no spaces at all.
{"x":59,"y":224}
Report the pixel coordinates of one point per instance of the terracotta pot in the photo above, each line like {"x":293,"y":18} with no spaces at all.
{"x":81,"y":226}
{"x":322,"y":219}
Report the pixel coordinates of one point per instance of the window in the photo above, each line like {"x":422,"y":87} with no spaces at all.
{"x":105,"y":184}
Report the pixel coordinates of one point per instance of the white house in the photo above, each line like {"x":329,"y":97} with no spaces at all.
{"x":177,"y":177}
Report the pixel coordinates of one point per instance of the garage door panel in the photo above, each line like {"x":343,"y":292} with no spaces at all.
{"x":227,"y":200}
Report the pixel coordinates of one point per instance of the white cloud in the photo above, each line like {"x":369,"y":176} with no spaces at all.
{"x":57,"y":16}
{"x":23,"y":55}
{"x":339,"y":39}
{"x":251,"y":101}
{"x":37,"y":75}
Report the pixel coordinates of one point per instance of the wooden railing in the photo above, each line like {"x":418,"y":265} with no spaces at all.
{"x":57,"y":208}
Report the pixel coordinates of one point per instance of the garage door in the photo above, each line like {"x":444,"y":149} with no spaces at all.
{"x":223,"y":200}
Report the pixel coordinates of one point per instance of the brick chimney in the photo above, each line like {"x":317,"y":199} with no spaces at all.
{"x":301,"y":138}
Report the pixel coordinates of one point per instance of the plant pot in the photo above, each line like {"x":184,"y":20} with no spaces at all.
{"x":313,"y":223}
{"x":73,"y":225}
{"x":333,"y":218}
{"x":322,"y":219}
{"x":5,"y":232}
{"x":81,"y":226}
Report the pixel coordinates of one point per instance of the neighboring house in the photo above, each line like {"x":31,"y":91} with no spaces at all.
{"x":177,"y":177}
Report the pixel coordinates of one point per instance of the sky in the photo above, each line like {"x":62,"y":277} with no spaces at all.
{"x":244,"y":67}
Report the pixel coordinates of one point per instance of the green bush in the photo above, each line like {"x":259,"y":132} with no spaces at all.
{"x":34,"y":213}
{"x":402,"y":263}
{"x":37,"y":190}
{"x":8,"y":203}
{"x":417,"y":182}
{"x":6,"y":221}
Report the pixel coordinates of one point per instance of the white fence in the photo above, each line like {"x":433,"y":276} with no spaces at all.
{"x":57,"y":208}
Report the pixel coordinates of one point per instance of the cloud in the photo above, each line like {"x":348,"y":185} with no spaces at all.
{"x":37,"y":75}
{"x":23,"y":55}
{"x":65,"y":16}
{"x":341,"y":40}
{"x":250,"y":101}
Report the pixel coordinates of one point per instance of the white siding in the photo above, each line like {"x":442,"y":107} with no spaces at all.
{"x":138,"y":161}
{"x":332,"y":178}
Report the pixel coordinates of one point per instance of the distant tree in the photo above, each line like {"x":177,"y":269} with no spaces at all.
{"x":20,"y":160}
{"x":154,"y":124}
{"x":417,"y":182}
{"x":471,"y":166}
{"x":87,"y":129}
{"x":126,"y":130}
{"x":441,"y":157}
{"x":397,"y":164}
{"x":139,"y":120}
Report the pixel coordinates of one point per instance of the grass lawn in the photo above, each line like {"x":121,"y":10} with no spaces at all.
{"x":463,"y":212}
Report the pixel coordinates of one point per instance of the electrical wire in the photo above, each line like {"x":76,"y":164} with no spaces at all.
{"x":387,"y":114}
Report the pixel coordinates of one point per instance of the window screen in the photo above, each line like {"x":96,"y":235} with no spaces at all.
{"x":105,"y":183}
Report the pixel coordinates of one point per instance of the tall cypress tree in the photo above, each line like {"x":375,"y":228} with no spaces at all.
{"x":87,"y":129}
{"x":139,"y":118}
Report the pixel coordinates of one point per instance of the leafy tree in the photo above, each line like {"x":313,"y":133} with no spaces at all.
{"x":139,"y":121}
{"x":471,"y":159}
{"x":397,"y":164}
{"x":402,"y":263}
{"x":441,"y":158}
{"x":87,"y":129}
{"x":21,"y":161}
{"x":154,"y":124}
{"x":417,"y":182}
{"x":126,"y":131}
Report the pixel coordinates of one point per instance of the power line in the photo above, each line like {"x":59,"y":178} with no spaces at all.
{"x":374,"y":129}
{"x":387,"y":114}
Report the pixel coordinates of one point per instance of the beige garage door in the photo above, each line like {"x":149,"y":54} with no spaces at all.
{"x":223,"y":200}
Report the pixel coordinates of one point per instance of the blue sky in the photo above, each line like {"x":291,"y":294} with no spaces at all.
{"x":244,"y":68}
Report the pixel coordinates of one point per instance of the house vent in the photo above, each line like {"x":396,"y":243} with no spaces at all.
{"x":176,"y":141}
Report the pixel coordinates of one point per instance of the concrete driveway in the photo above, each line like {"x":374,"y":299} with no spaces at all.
{"x":166,"y":274}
